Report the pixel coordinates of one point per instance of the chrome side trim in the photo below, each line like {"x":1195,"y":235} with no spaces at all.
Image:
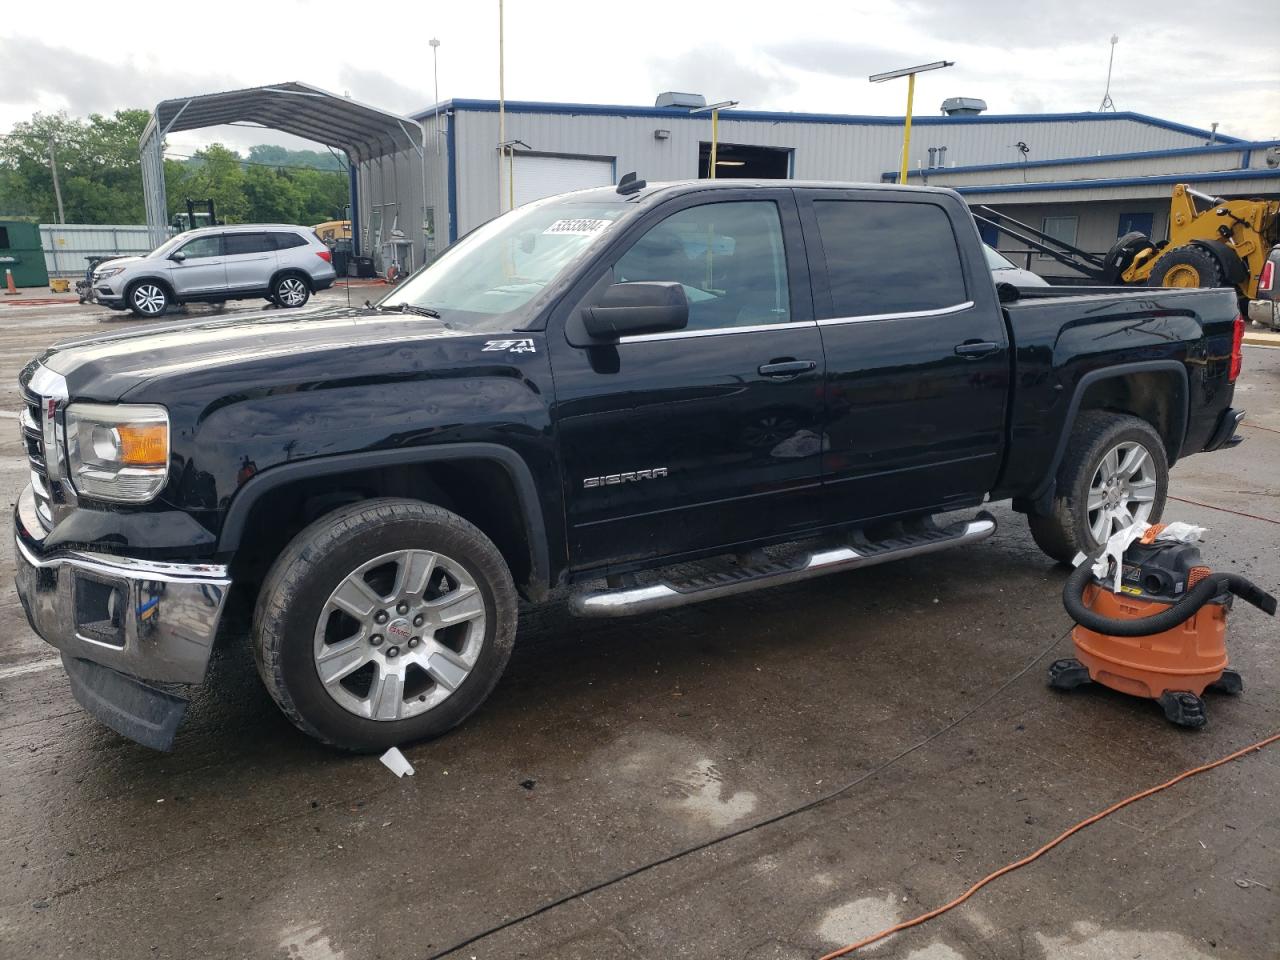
{"x":715,"y":331}
{"x":871,"y":317}
{"x":662,"y":596}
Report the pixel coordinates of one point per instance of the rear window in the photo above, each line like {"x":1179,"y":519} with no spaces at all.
{"x":286,"y":240}
{"x":237,"y":243}
{"x":889,"y":257}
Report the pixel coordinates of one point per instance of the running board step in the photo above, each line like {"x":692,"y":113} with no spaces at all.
{"x":861,"y":552}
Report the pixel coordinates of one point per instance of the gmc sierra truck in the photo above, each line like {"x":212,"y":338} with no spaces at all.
{"x":640,"y":397}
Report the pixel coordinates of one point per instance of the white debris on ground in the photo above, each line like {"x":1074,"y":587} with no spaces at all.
{"x":395,"y":761}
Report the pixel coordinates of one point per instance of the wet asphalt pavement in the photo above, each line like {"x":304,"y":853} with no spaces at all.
{"x":609,"y":745}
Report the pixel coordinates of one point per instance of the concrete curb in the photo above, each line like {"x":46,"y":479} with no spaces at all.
{"x":1257,"y":338}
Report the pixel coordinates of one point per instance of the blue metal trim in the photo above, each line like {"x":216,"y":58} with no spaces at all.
{"x":1118,"y":182}
{"x":451,"y":150}
{"x":621,"y":110}
{"x":1143,"y":155}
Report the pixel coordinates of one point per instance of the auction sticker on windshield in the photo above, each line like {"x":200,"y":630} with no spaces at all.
{"x":581,"y":227}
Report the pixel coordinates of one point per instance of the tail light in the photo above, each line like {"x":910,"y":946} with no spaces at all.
{"x":1237,"y":349}
{"x":1268,"y":276}
{"x":325,"y":255}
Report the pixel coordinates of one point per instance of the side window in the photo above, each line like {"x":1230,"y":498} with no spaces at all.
{"x":728,"y":257}
{"x":889,"y":257}
{"x":203,"y":247}
{"x":238,"y":243}
{"x":1060,"y":228}
{"x":286,"y":240}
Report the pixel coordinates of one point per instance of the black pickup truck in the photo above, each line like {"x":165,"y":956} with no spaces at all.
{"x":641,"y":396}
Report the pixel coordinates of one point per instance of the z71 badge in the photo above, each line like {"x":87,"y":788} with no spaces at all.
{"x":608,"y":480}
{"x":510,"y":346}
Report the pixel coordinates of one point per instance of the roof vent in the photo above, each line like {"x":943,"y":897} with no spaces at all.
{"x":687,"y":101}
{"x":963,"y":106}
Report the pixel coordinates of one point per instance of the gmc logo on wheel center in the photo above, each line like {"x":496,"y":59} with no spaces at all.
{"x":609,"y":479}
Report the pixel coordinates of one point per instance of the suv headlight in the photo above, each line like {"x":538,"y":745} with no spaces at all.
{"x":118,"y":452}
{"x":106,"y":272}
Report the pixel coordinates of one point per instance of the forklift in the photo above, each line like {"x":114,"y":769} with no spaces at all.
{"x":193,"y":218}
{"x":1212,"y":243}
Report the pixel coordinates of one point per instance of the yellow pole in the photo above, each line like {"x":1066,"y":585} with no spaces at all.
{"x":715,"y":131}
{"x":502,"y":102}
{"x":906,"y":132}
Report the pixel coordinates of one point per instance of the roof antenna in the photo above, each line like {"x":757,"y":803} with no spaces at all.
{"x":629,"y":184}
{"x":1107,"y":103}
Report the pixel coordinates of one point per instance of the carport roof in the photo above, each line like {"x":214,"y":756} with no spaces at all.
{"x":364,"y":132}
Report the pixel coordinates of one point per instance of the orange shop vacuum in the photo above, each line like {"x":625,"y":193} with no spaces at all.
{"x":1163,"y":635}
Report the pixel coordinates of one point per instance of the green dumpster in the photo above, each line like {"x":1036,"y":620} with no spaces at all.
{"x":21,"y":253}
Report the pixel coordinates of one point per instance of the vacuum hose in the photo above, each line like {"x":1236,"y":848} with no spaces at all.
{"x":1211,"y":586}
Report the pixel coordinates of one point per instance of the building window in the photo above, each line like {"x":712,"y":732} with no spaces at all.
{"x":1142,"y":223}
{"x":1060,"y":228}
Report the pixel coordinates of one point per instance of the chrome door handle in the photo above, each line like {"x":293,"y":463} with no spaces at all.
{"x":786,"y":368}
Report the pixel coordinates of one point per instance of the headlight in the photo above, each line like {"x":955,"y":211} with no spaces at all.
{"x":118,"y":451}
{"x":108,"y":272}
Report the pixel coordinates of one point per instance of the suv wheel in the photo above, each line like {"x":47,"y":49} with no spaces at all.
{"x":290,"y":291}
{"x":1114,"y":473}
{"x":149,"y":299}
{"x":384,"y":622}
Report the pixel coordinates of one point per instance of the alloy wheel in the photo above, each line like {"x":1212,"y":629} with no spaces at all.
{"x":149,"y":299}
{"x":292,"y":292}
{"x":399,"y":634}
{"x":1122,"y":491}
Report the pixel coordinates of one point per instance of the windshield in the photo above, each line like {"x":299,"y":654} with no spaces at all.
{"x":502,"y":265}
{"x":997,"y":262}
{"x":168,"y":245}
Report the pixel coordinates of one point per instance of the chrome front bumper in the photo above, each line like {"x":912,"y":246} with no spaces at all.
{"x":153,"y":621}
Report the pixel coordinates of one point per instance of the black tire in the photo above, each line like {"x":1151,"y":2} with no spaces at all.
{"x":148,"y":298}
{"x":317,"y":560}
{"x":1179,"y":266}
{"x":290,"y":291}
{"x":1064,"y":532}
{"x":1122,"y":254}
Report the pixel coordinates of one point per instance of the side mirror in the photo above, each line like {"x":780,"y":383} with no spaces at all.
{"x":640,"y":307}
{"x":178,"y":257}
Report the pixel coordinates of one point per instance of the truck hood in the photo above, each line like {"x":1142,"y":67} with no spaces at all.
{"x":105,"y":367}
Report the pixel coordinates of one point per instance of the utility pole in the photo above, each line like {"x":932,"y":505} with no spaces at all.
{"x":1106,"y":95}
{"x":435,"y":70}
{"x":910,"y":74}
{"x":57,"y":189}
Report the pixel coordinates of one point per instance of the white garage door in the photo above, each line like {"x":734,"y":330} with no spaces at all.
{"x":538,"y":177}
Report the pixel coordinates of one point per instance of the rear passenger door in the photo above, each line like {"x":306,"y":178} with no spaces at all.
{"x":250,"y":260}
{"x":917,"y":354}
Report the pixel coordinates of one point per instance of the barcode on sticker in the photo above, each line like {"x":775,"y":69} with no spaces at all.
{"x":580,"y":227}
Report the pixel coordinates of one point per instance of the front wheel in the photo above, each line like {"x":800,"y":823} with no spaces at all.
{"x":149,"y":299}
{"x":384,"y":622}
{"x":1114,"y":473}
{"x":291,"y":291}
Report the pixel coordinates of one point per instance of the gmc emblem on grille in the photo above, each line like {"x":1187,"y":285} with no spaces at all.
{"x":610,"y":479}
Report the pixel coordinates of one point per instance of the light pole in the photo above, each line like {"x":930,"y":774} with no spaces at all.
{"x":502,"y":101}
{"x":714,"y":109}
{"x":910,"y":74}
{"x":435,"y":71}
{"x":1106,"y":94}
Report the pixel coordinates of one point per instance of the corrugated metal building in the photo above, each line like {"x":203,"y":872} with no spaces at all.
{"x":560,"y":146}
{"x":67,"y":245}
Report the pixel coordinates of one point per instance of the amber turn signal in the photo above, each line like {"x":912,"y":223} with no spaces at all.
{"x":143,"y":444}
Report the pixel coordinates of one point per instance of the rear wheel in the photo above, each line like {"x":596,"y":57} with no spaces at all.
{"x":384,"y":622}
{"x":1186,"y":267}
{"x":290,"y":291}
{"x":1113,"y":474}
{"x":149,"y":299}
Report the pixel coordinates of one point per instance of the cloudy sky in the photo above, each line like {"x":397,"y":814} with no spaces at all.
{"x":1174,"y":62}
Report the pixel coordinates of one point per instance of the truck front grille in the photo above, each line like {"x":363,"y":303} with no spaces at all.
{"x":34,"y":412}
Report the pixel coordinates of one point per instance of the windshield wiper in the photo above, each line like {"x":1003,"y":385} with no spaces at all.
{"x":409,"y":308}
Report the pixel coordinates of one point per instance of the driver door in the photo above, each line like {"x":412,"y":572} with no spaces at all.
{"x":202,"y":271}
{"x":691,"y":441}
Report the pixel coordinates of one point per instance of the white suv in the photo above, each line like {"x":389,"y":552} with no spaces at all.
{"x":283,"y":263}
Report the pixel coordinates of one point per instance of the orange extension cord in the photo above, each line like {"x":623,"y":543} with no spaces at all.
{"x":916,"y":921}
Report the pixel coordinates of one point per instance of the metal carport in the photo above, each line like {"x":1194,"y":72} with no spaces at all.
{"x":384,"y":151}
